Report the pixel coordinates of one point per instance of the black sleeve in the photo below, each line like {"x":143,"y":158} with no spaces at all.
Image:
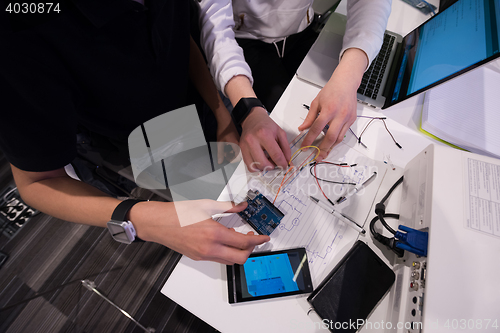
{"x":38,"y":125}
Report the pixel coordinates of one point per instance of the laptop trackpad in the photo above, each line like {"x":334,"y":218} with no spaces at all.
{"x":322,"y":59}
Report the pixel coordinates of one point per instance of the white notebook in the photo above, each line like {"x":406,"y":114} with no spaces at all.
{"x":465,"y":111}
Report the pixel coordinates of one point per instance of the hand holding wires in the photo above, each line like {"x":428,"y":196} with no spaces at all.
{"x":358,"y":138}
{"x":300,"y":167}
{"x":326,"y":128}
{"x":331,"y":114}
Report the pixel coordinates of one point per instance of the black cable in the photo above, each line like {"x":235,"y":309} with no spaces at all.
{"x":387,"y":226}
{"x":400,"y":180}
{"x":392,"y":136}
{"x":386,"y":128}
{"x":364,"y":129}
{"x":380,"y":207}
{"x":381,"y":215}
{"x":376,"y":218}
{"x":325,"y":180}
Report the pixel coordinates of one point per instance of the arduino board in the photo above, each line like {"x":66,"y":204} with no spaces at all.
{"x":262,"y":215}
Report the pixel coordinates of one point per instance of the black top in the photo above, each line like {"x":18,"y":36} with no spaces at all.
{"x":109,"y":65}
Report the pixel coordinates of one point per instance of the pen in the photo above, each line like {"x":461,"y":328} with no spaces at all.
{"x":338,"y":215}
{"x":356,"y":188}
{"x":304,"y":258}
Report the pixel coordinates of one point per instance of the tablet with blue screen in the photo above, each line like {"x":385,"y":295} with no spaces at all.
{"x":269,"y":274}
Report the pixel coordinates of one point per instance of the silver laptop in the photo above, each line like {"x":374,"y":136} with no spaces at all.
{"x":433,"y":53}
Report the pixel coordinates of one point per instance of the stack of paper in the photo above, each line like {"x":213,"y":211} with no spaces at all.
{"x":465,"y":112}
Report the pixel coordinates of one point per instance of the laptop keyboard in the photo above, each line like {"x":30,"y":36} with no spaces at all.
{"x":370,"y":84}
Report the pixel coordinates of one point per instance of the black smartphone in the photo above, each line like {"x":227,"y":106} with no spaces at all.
{"x":269,"y":274}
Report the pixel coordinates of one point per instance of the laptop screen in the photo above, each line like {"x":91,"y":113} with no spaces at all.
{"x":460,"y":38}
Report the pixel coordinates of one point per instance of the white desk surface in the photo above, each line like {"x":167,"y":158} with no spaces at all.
{"x":201,"y":287}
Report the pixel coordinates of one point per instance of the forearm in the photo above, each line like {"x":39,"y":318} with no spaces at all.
{"x":238,"y":87}
{"x":185,"y":226}
{"x":353,"y":64}
{"x":60,"y":196}
{"x":352,"y":67}
{"x":65,"y":198}
{"x":335,"y":104}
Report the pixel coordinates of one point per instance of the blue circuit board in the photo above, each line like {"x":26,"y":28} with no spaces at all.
{"x":261,"y":214}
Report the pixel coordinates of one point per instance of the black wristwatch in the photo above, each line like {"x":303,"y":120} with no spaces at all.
{"x":243,"y":108}
{"x":119,"y":227}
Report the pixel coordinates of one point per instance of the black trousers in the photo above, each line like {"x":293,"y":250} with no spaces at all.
{"x":272,"y":71}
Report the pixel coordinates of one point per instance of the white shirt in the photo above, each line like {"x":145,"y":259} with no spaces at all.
{"x":273,"y":20}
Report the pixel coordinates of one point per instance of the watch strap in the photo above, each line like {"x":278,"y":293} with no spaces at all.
{"x":243,"y":107}
{"x":121,"y":211}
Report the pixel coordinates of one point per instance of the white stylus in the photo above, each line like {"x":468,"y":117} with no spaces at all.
{"x":338,"y":215}
{"x":356,"y":188}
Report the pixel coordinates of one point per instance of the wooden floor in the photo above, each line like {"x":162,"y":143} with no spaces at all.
{"x":41,"y":289}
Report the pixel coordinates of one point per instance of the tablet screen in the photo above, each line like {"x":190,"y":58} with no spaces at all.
{"x":464,"y":36}
{"x":270,"y":274}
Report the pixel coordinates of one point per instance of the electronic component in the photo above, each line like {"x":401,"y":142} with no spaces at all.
{"x":268,"y":275}
{"x":415,"y":295}
{"x":412,"y":240}
{"x":261,"y":214}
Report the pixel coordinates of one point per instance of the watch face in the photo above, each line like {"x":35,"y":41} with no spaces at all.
{"x":118,"y":232}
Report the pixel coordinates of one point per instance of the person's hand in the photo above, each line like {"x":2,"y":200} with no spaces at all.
{"x":227,"y":142}
{"x":335,"y":105}
{"x":194,"y":233}
{"x":263,"y":143}
{"x":210,"y":240}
